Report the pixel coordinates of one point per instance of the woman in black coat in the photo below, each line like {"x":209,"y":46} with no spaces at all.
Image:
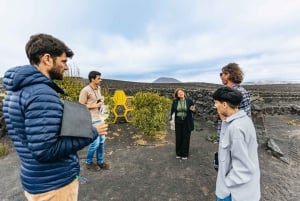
{"x":184,"y":123}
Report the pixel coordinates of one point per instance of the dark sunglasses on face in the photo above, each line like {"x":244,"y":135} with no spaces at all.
{"x":222,"y":74}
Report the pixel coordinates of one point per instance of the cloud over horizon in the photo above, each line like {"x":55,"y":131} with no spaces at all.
{"x":141,"y":41}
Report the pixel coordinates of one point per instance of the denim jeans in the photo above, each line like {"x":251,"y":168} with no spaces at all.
{"x":98,"y":147}
{"x":225,"y":199}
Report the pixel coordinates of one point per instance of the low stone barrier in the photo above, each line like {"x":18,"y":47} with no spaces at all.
{"x":286,"y":98}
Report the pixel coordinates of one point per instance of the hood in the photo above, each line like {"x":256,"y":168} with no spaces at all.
{"x":22,"y":76}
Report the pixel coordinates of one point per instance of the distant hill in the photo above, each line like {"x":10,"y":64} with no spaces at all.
{"x":268,"y":82}
{"x":166,"y":80}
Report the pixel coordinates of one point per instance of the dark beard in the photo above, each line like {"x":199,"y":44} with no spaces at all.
{"x":55,"y":74}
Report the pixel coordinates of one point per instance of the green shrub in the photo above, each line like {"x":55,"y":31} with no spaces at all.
{"x":72,"y":86}
{"x":3,"y":149}
{"x":214,"y":136}
{"x":150,"y":112}
{"x":71,"y":83}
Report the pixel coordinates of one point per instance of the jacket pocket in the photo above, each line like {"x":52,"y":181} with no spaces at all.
{"x":223,"y":150}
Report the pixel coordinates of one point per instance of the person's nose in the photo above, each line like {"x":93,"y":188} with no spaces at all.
{"x":66,"y":67}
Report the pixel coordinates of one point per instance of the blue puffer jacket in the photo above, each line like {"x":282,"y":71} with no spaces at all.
{"x":33,"y":114}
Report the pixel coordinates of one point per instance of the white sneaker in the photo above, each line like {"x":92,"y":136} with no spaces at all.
{"x":177,"y":157}
{"x":184,"y":158}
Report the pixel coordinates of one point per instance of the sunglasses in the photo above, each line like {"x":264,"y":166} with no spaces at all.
{"x":222,"y":74}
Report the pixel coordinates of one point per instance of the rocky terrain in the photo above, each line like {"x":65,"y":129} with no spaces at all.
{"x":145,"y":169}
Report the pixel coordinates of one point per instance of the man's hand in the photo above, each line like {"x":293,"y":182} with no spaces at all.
{"x":98,"y":105}
{"x":102,"y":128}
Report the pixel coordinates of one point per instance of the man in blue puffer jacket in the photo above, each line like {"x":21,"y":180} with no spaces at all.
{"x":33,"y":114}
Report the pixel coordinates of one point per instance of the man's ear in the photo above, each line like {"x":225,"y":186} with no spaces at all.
{"x":47,"y":60}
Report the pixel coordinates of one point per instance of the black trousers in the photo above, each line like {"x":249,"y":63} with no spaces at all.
{"x":183,"y":136}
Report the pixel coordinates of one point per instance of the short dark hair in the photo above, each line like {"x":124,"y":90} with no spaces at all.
{"x":236,"y":74}
{"x":93,"y":75}
{"x":229,"y":95}
{"x":40,"y":44}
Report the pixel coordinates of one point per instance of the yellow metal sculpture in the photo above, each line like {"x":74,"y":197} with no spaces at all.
{"x":123,"y":107}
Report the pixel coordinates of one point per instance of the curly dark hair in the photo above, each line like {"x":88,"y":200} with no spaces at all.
{"x":40,"y":44}
{"x":236,"y":74}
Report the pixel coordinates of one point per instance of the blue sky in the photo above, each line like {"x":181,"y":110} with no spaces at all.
{"x":141,"y":41}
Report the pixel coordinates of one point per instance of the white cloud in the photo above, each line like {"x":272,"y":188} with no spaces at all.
{"x":188,"y":40}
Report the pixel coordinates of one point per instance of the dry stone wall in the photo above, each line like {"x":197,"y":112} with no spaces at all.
{"x":265,"y":99}
{"x":278,"y":99}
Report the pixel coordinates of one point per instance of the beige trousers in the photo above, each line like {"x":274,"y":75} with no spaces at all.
{"x":66,"y":193}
